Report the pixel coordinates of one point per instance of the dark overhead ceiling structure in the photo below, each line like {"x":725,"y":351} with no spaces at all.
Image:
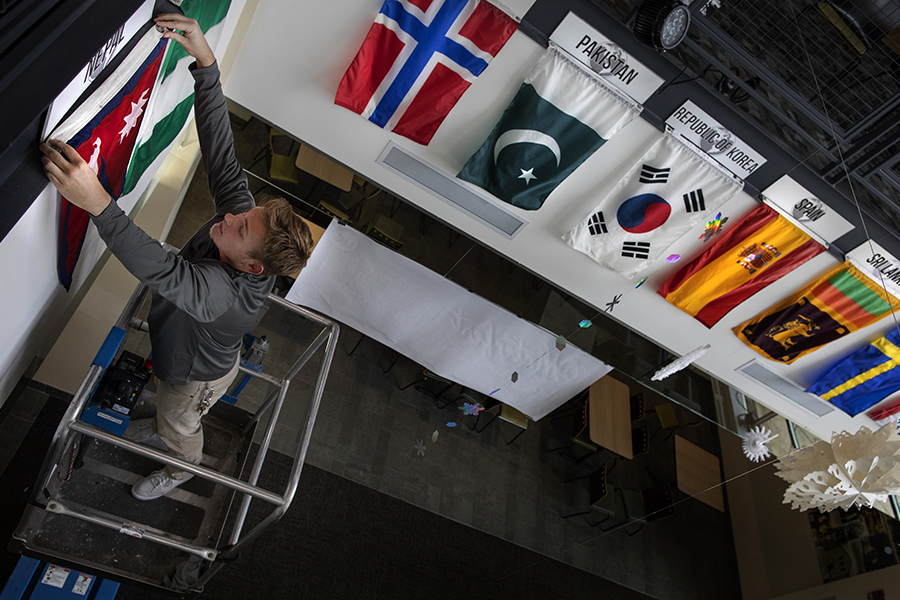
{"x":813,"y":86}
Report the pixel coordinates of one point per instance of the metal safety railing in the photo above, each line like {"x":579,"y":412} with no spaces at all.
{"x":71,"y":424}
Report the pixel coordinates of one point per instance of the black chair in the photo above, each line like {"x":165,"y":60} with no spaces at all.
{"x":668,"y":420}
{"x":637,"y":407}
{"x":581,"y":436}
{"x":640,"y":440}
{"x":501,"y":411}
{"x":601,"y":500}
{"x":445,"y":384}
{"x":647,"y":506}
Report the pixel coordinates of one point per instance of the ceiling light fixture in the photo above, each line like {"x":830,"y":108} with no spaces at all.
{"x":661,"y":24}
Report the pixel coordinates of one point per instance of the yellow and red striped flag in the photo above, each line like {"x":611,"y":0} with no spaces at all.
{"x":759,"y":249}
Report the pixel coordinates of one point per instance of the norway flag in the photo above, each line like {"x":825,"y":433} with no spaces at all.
{"x":418,"y":59}
{"x":103,"y":131}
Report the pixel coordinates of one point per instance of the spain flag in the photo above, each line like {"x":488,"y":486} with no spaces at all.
{"x":758,"y":250}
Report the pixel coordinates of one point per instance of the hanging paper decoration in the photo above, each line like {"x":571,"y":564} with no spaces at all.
{"x":469,"y":408}
{"x":492,"y":393}
{"x":853,"y":470}
{"x":673,"y":258}
{"x":515,"y":376}
{"x":434,"y":436}
{"x":584,"y":324}
{"x":680,"y":363}
{"x":713,"y":228}
{"x":420,"y":448}
{"x":615,"y":300}
{"x":560,"y":343}
{"x":451,"y":424}
{"x":640,"y":283}
{"x":755,"y":443}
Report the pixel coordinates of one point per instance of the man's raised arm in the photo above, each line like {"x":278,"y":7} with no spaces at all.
{"x":227,"y":182}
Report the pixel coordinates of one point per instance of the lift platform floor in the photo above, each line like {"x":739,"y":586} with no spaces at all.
{"x":196,"y":511}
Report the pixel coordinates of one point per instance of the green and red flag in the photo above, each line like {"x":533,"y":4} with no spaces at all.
{"x":836,"y":304}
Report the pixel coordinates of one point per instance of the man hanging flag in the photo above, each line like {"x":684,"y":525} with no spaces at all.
{"x":103,"y":131}
{"x":558,"y":118}
{"x":761,"y":248}
{"x":864,"y":378}
{"x":173,"y":100}
{"x":838,"y":303}
{"x":418,"y":59}
{"x":670,"y":189}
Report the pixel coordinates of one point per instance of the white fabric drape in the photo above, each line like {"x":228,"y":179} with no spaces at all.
{"x":441,"y":326}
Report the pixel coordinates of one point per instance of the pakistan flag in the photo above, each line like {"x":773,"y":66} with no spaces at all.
{"x":558,"y":118}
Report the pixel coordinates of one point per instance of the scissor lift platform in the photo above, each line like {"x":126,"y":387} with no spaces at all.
{"x":87,"y":516}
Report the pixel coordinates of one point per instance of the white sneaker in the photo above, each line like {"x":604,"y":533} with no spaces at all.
{"x":142,"y":431}
{"x":155,"y":486}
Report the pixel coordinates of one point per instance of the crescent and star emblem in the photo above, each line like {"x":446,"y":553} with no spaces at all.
{"x":530,"y":136}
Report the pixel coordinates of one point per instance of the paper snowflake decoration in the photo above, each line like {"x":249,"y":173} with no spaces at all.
{"x":755,"y":443}
{"x":469,"y":408}
{"x":420,"y":448}
{"x":713,"y":228}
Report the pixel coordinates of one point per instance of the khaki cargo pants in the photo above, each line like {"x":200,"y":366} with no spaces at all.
{"x":178,"y":414}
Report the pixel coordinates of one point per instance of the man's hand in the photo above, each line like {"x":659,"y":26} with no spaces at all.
{"x":191,"y":37}
{"x":72,"y":176}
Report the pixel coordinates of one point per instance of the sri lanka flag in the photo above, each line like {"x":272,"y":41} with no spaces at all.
{"x":864,"y":378}
{"x":759,"y":249}
{"x":418,"y":59}
{"x":103,"y":131}
{"x":558,"y":118}
{"x":838,"y":303}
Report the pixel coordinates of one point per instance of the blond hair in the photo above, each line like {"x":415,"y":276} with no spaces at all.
{"x":288,"y":239}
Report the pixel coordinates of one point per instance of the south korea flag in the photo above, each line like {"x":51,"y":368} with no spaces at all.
{"x":670,"y":189}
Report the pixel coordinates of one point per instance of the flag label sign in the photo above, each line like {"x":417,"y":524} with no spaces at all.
{"x":694,"y":125}
{"x":605,"y":58}
{"x":877,"y":263}
{"x":805,"y":210}
{"x":101,"y":58}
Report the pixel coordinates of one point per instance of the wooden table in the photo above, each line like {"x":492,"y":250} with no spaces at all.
{"x":610,"y":414}
{"x":697,"y":470}
{"x":324,"y":168}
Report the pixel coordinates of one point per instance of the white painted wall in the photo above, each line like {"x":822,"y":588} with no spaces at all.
{"x":305,"y":47}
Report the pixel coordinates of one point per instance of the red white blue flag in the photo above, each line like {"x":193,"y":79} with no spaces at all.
{"x":103,"y":131}
{"x":418,"y":59}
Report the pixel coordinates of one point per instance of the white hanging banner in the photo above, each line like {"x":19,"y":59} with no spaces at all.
{"x":727,"y":149}
{"x":602,"y":56}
